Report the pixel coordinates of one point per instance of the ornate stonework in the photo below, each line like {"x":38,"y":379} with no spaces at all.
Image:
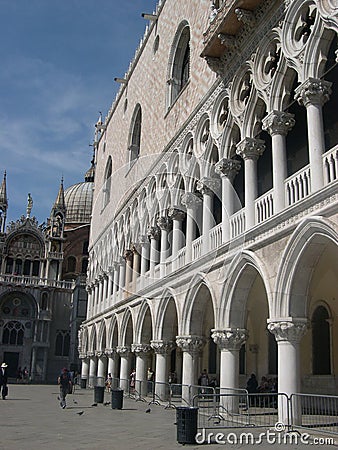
{"x":162,"y":347}
{"x":278,"y":122}
{"x":190,"y":344}
{"x":230,"y":338}
{"x":250,"y":148}
{"x":140,"y":348}
{"x":288,"y":330}
{"x":228,"y":167}
{"x":313,"y":92}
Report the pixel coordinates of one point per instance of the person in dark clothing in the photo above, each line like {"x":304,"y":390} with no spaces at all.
{"x":251,"y":387}
{"x":65,"y":384}
{"x":3,"y":380}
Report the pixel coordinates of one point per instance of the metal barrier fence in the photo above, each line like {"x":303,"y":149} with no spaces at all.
{"x":315,"y":412}
{"x":236,"y":408}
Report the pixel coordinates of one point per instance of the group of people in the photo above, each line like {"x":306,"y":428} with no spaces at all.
{"x":266,"y":386}
{"x":22,"y":375}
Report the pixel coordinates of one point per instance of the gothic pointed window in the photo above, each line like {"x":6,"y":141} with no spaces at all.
{"x":179,"y":63}
{"x":135,"y":135}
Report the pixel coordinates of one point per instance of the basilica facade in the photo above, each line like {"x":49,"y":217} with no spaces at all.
{"x":214,"y":229}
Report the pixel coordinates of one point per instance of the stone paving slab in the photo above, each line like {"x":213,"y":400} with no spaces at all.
{"x":31,"y":419}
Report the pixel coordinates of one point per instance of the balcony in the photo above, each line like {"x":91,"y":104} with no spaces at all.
{"x":223,"y":28}
{"x":32,"y":282}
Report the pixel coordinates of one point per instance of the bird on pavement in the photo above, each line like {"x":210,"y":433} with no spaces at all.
{"x":74,"y":401}
{"x":148,"y":410}
{"x":80,"y":413}
{"x":106,"y":403}
{"x":94,"y":404}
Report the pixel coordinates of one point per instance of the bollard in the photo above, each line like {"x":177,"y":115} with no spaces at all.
{"x":186,"y":420}
{"x":98,"y":394}
{"x":117,"y":398}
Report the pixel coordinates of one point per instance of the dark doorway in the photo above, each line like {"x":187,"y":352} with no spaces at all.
{"x":12,"y":359}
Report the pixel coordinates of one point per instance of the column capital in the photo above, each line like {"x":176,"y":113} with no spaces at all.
{"x":278,"y":122}
{"x":162,"y":347}
{"x":191,"y":200}
{"x":100,"y":353}
{"x":190,"y":344}
{"x":176,"y":213}
{"x":250,"y":148}
{"x":289,"y":329}
{"x":208,"y":185}
{"x":90,"y":354}
{"x":313,"y":91}
{"x":123,"y":349}
{"x":136,"y":247}
{"x":83,"y":355}
{"x":128,"y":255}
{"x":164,"y":223}
{"x":116,"y":265}
{"x":143,"y":240}
{"x":140,"y":349}
{"x":230,"y":338}
{"x":110,"y":352}
{"x":227,"y":167}
{"x":154,"y":233}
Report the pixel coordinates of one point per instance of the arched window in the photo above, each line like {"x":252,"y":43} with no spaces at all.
{"x":107,"y":183}
{"x":179,"y":63}
{"x":321,"y":354}
{"x":135,"y":135}
{"x":62,"y":343}
{"x":71,"y":264}
{"x":13,"y":333}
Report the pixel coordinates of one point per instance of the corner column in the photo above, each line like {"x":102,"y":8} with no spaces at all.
{"x":141,"y":351}
{"x":312,"y":94}
{"x":123,"y":351}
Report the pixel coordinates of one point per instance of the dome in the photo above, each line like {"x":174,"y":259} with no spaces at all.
{"x":78,"y":200}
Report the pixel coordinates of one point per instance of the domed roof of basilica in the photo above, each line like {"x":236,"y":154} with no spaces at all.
{"x":78,"y":202}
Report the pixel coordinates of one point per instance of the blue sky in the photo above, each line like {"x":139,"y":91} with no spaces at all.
{"x":58,"y":63}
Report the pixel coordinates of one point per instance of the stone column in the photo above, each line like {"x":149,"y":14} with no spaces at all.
{"x":177,"y":216}
{"x":101,"y":368}
{"x":84,"y":367}
{"x":288,"y":334}
{"x":110,"y":284}
{"x":154,"y":234}
{"x":141,"y":351}
{"x":278,"y":124}
{"x":165,"y":225}
{"x":128,"y":257}
{"x":250,"y":150}
{"x":312,"y":94}
{"x":227,"y":168}
{"x":123,"y":351}
{"x":96,"y":296}
{"x":116,"y":268}
{"x":136,"y":248}
{"x":92,"y":369}
{"x":122,"y":274}
{"x":112,"y":364}
{"x":89,"y":289}
{"x":144,"y":243}
{"x":33,"y":363}
{"x":229,"y":342}
{"x":104,"y":290}
{"x":191,"y":202}
{"x":100,"y":294}
{"x":162,"y":350}
{"x":208,"y":188}
{"x":191,"y":347}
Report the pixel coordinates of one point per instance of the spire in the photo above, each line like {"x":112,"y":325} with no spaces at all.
{"x":3,"y":194}
{"x":60,"y":199}
{"x":3,"y":204}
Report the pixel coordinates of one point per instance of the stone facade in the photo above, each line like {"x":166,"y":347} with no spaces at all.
{"x":216,"y":174}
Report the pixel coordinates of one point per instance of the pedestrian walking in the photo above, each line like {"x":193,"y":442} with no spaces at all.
{"x":65,"y":384}
{"x":3,"y":380}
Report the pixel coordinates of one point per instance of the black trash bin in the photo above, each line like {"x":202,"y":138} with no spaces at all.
{"x":98,"y":394}
{"x":83,"y":383}
{"x":117,"y":398}
{"x":186,"y":420}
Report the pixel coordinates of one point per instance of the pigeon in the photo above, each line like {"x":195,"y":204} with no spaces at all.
{"x":94,"y":404}
{"x":80,"y":413}
{"x":74,"y":401}
{"x":148,"y":410}
{"x":58,"y":397}
{"x":106,"y":403}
